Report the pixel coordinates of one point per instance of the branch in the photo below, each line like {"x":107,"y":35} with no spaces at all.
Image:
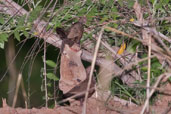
{"x":13,"y":9}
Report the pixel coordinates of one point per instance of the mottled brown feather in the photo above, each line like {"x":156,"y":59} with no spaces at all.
{"x":73,"y":34}
{"x":82,"y":87}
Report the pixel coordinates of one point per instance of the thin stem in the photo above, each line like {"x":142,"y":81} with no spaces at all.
{"x":44,"y":60}
{"x":92,"y":67}
{"x":149,"y":70}
{"x":153,"y":89}
{"x":16,"y":91}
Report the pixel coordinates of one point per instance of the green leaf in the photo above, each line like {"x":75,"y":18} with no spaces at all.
{"x":52,"y":76}
{"x":76,"y":7}
{"x":2,"y":45}
{"x":67,"y":17}
{"x":120,"y":3}
{"x":88,"y":2}
{"x":104,"y":19}
{"x":49,"y":94}
{"x":115,"y":25}
{"x":103,"y":2}
{"x":144,"y":69}
{"x":130,"y":3}
{"x":2,"y":20}
{"x":114,"y":9}
{"x":93,"y":11}
{"x":3,"y":37}
{"x":152,"y":1}
{"x":21,"y":20}
{"x":132,"y":46}
{"x":49,"y":84}
{"x":20,"y":28}
{"x":51,"y":63}
{"x":83,"y":11}
{"x":33,"y":15}
{"x":169,"y":78}
{"x":25,"y":33}
{"x":17,"y":35}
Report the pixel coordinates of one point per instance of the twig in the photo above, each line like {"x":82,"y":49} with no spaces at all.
{"x":153,"y":90}
{"x":92,"y":67}
{"x":149,"y":68}
{"x":50,"y":37}
{"x":163,"y":18}
{"x":18,"y":11}
{"x":75,"y":96}
{"x":16,"y":91}
{"x":55,"y":88}
{"x":44,"y":73}
{"x":129,"y":66}
{"x":156,"y":34}
{"x":157,"y":88}
{"x":152,"y":30}
{"x":123,"y":33}
{"x":154,"y":9}
{"x":24,"y":92}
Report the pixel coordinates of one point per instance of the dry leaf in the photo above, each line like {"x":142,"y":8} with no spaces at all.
{"x":122,"y":48}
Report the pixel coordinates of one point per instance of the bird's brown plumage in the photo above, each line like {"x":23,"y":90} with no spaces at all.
{"x":61,"y":32}
{"x":73,"y":34}
{"x":82,"y":87}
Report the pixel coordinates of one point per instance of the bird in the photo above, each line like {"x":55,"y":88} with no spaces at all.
{"x":63,"y":35}
{"x":73,"y":34}
{"x":61,"y":32}
{"x":81,"y":88}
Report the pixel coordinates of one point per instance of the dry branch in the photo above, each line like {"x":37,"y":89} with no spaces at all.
{"x":153,"y":89}
{"x":11,"y":8}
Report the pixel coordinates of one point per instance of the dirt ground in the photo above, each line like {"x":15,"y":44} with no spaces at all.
{"x":161,"y":106}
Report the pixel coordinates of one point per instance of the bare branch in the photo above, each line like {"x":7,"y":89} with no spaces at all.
{"x":11,"y":8}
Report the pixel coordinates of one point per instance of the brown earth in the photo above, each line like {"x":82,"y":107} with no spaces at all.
{"x":161,"y":106}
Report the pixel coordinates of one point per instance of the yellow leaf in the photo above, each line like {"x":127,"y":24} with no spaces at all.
{"x":36,"y":33}
{"x":122,"y":48}
{"x":132,"y":19}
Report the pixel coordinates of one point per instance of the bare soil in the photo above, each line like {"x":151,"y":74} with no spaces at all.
{"x":161,"y":106}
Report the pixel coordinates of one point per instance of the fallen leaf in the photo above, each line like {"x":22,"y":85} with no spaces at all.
{"x":122,"y":48}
